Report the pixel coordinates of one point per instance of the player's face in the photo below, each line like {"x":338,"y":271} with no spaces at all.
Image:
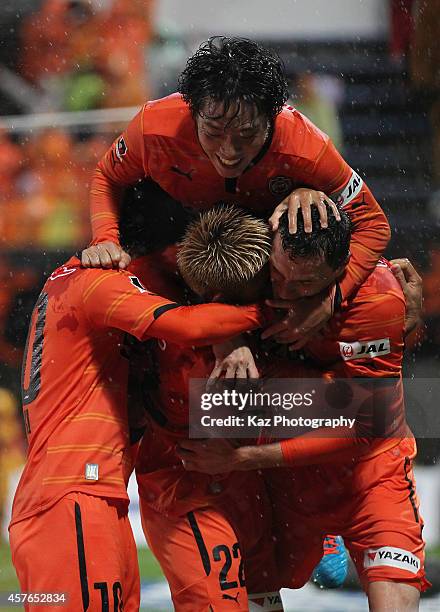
{"x":299,"y":278}
{"x":231,"y":140}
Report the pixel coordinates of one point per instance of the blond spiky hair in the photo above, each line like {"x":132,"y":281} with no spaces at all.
{"x":223,"y":249}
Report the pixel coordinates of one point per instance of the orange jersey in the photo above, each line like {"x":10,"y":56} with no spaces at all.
{"x":166,"y":367}
{"x":363,"y":340}
{"x":161,"y":143}
{"x":365,"y":337}
{"x":75,"y":377}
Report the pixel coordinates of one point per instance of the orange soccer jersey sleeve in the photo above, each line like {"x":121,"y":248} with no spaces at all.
{"x":310,"y":450}
{"x":118,"y":299}
{"x":371,"y":229}
{"x":378,"y":322}
{"x":110,"y":177}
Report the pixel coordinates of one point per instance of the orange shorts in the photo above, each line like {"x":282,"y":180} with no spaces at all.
{"x":82,"y":546}
{"x":372,"y":504}
{"x":214,"y":555}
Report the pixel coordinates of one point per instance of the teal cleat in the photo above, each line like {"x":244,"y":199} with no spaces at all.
{"x":331,"y":571}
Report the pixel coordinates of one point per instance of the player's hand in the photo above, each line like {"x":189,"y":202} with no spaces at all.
{"x":233,"y":359}
{"x":303,"y":199}
{"x":412,"y":286}
{"x":305,"y":318}
{"x":105,"y":255}
{"x":213,"y":456}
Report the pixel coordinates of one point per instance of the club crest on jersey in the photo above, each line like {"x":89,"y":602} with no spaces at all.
{"x":350,"y":191}
{"x":121,"y":148}
{"x":280,"y":185}
{"x":392,"y":557}
{"x":137,"y":283}
{"x":364,"y":350}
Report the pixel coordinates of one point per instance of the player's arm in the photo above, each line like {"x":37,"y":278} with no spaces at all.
{"x":114,"y":299}
{"x":122,"y":165}
{"x":217,"y":456}
{"x":371,"y":231}
{"x":377,"y":317}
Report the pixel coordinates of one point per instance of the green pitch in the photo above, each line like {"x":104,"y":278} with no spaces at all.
{"x":149,"y":569}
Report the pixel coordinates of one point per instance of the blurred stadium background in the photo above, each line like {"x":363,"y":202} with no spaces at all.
{"x":72,"y":74}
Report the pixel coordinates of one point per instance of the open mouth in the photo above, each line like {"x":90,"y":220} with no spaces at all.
{"x":229,"y":163}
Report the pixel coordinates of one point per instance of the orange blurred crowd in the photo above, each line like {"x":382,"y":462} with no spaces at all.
{"x":45,"y":174}
{"x":44,"y":189}
{"x":71,"y":38}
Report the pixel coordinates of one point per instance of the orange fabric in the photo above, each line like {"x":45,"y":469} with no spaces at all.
{"x":170,"y":489}
{"x":78,"y":526}
{"x":192,"y":548}
{"x":374,"y":317}
{"x":161,"y":143}
{"x":372,"y":505}
{"x":376,"y":311}
{"x":309,"y":450}
{"x":192,"y":552}
{"x":75,"y":377}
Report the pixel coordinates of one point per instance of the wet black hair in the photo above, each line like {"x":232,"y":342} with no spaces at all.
{"x":234,"y":70}
{"x":333,"y":243}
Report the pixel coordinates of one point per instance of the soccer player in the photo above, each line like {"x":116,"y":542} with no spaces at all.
{"x":228,"y":136}
{"x":359,"y":486}
{"x":201,"y":528}
{"x":70,"y":537}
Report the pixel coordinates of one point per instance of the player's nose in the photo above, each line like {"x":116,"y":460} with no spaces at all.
{"x":230,"y":148}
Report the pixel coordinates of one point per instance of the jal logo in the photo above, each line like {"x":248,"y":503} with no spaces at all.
{"x":280,"y":185}
{"x":353,"y":186}
{"x":364,"y":350}
{"x":350,"y":191}
{"x":347,"y":350}
{"x":392,"y":557}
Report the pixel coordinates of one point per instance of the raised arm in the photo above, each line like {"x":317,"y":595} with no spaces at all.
{"x":122,"y":165}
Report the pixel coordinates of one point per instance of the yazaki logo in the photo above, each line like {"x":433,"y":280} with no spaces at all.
{"x":392,"y":557}
{"x":364,"y":350}
{"x":266,"y":601}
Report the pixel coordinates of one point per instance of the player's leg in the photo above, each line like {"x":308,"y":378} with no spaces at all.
{"x":82,"y":547}
{"x":299,"y":527}
{"x":200,"y":556}
{"x":385,"y":535}
{"x":249,"y":511}
{"x":393,"y":597}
